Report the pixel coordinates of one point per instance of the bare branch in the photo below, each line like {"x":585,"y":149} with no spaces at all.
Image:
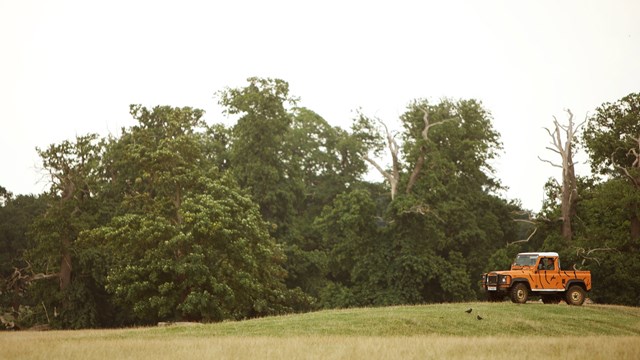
{"x":422,"y":210}
{"x":384,"y":173}
{"x":547,"y":161}
{"x":626,"y":172}
{"x":421,"y":158}
{"x":554,"y":150}
{"x":525,"y":221}
{"x":525,"y":240}
{"x":585,"y":254}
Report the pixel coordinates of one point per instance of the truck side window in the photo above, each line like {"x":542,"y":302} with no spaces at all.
{"x":546,"y":264}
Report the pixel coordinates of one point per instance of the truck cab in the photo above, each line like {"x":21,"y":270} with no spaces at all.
{"x":537,"y":273}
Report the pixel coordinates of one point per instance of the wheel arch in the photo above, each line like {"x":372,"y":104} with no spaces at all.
{"x":516,"y":281}
{"x":576,"y":282}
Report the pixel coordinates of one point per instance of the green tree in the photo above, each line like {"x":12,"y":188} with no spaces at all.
{"x":452,"y":179}
{"x":17,"y":213}
{"x":612,"y":140}
{"x":218,"y":263}
{"x":357,"y":266}
{"x":325,"y":163}
{"x":72,"y":207}
{"x":604,"y":244}
{"x":259,"y":156}
{"x":185,"y":242}
{"x":152,"y":164}
{"x":293,"y":163}
{"x":431,"y":242}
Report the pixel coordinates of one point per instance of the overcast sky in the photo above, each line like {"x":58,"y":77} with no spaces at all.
{"x":68,"y":68}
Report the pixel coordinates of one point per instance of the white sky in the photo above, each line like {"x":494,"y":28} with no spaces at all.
{"x":72,"y":67}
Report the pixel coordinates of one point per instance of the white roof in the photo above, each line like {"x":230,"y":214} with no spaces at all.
{"x":539,"y":254}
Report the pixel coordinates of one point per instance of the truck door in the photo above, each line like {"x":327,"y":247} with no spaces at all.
{"x":549,"y":271}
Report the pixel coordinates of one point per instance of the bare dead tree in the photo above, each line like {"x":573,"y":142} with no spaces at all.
{"x":393,"y":176}
{"x":423,"y":150}
{"x":569,"y":196}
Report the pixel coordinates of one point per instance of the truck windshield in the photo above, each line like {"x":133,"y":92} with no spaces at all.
{"x":526,"y":260}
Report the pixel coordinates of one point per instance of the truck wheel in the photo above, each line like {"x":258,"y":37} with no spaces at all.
{"x":519,"y":293}
{"x":575,"y":295}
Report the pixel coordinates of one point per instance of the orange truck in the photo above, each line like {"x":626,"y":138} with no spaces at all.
{"x":538,"y":273}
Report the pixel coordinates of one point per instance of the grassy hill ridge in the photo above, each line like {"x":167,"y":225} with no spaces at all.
{"x":437,"y":331}
{"x":501,"y":319}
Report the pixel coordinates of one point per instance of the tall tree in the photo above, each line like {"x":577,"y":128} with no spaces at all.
{"x":259,"y":157}
{"x":565,"y":149}
{"x":185,"y":242}
{"x":325,"y":162}
{"x":73,"y":173}
{"x":17,"y":213}
{"x":152,"y":164}
{"x":432,"y":241}
{"x":371,"y":134}
{"x":612,"y":140}
{"x":72,"y":207}
{"x":441,"y":215}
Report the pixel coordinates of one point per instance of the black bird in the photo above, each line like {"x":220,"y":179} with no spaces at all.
{"x":479,"y":317}
{"x":468,"y":311}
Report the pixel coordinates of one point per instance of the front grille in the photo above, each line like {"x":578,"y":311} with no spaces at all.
{"x":492,"y":279}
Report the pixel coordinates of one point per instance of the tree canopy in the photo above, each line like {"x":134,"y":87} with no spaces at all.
{"x":176,"y":218}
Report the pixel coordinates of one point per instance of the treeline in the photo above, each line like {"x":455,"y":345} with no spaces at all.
{"x":176,"y":219}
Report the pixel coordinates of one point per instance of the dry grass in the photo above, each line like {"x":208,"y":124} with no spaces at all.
{"x":442,"y":331}
{"x":89,"y":345}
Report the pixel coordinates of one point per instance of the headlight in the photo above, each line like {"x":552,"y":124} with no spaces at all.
{"x":504,"y":279}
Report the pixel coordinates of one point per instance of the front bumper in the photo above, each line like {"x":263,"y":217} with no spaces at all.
{"x":496,"y":282}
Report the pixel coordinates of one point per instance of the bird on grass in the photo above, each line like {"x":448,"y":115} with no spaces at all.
{"x":469,"y":311}
{"x":479,"y":317}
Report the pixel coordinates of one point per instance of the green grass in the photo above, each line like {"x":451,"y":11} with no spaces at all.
{"x":502,"y":319}
{"x":440,"y":331}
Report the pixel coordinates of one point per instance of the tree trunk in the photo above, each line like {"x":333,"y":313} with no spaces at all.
{"x":421,"y":159}
{"x":65,"y":265}
{"x":415,"y":173}
{"x":69,"y":188}
{"x":569,"y":196}
{"x":635,"y":228}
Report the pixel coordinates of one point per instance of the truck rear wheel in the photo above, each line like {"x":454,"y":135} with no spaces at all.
{"x":575,"y":295}
{"x":519,"y":293}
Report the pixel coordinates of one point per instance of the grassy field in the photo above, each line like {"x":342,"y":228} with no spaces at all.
{"x":442,"y":331}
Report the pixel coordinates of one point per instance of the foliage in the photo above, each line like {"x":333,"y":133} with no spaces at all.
{"x":607,"y":225}
{"x":612,"y":133}
{"x":175,"y":219}
{"x":428,"y":245}
{"x":258,"y":155}
{"x":220,"y":263}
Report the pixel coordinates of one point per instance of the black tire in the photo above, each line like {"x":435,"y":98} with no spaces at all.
{"x":519,"y":293}
{"x":550,"y":299}
{"x":575,"y":295}
{"x":495,"y":296}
